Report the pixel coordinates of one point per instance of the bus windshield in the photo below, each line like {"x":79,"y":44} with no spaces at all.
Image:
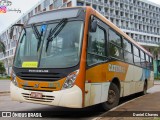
{"x":53,"y":45}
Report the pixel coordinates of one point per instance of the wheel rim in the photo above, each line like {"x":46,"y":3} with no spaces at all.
{"x":111,"y":96}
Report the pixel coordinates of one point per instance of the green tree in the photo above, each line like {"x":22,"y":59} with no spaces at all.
{"x":2,"y":68}
{"x":155,"y":51}
{"x":2,"y":49}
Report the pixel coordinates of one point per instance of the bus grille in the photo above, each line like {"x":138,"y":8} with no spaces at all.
{"x":40,"y":76}
{"x":45,"y":98}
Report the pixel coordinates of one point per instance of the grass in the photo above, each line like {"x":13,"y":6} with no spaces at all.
{"x":158,"y":118}
{"x":157,"y":78}
{"x":5,"y":78}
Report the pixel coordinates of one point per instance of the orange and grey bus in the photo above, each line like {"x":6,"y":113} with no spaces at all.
{"x":75,"y":57}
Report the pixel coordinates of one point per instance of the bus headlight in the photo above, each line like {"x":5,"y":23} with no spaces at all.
{"x":14,"y":81}
{"x":70,"y":79}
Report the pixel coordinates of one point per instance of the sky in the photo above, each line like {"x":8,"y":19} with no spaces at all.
{"x":155,"y":1}
{"x":6,"y":19}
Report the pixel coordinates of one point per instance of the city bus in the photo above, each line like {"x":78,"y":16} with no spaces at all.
{"x":75,"y":57}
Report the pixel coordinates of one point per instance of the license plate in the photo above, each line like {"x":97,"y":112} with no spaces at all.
{"x":36,"y":95}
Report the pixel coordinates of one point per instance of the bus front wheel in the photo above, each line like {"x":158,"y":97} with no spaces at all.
{"x":113,"y":97}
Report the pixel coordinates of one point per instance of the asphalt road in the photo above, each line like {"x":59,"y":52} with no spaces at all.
{"x":59,"y":113}
{"x":4,"y":85}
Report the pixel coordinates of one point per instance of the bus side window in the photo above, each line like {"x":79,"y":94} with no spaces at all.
{"x":137,"y":60}
{"x":147,"y":62}
{"x":143,"y":64}
{"x":96,"y":47}
{"x":128,"y":57}
{"x":151,"y":63}
{"x":115,"y":46}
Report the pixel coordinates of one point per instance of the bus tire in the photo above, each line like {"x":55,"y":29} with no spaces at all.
{"x":113,"y":98}
{"x":144,"y":88}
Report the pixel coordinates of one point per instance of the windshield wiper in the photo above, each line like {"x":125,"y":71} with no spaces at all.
{"x":52,"y":33}
{"x":38,"y":35}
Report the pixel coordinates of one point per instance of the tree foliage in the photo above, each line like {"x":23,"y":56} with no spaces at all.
{"x":156,"y":51}
{"x":2,"y":68}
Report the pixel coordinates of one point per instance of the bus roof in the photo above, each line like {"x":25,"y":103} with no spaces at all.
{"x":55,"y":14}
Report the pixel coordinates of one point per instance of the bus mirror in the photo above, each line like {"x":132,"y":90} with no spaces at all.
{"x":12,"y":29}
{"x":93,"y":26}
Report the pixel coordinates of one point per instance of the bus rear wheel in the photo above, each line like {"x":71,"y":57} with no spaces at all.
{"x":113,"y":97}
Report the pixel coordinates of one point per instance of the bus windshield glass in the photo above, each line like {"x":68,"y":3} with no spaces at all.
{"x":53,"y":45}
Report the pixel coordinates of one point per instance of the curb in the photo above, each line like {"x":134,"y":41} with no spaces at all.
{"x":156,"y":84}
{"x":1,"y":92}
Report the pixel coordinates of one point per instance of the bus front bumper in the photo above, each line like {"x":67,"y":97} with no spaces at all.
{"x":71,"y":97}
